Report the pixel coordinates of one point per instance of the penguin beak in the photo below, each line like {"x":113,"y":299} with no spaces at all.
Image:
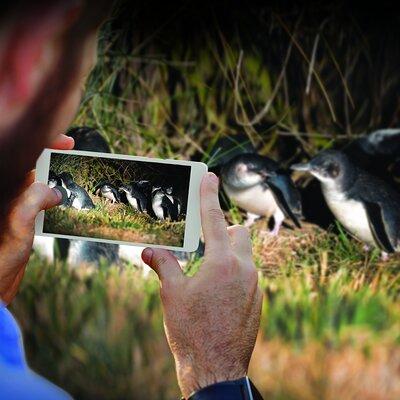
{"x":263,"y":172}
{"x":306,"y":167}
{"x":268,"y":174}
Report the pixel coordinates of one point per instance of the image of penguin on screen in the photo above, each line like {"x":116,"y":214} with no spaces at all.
{"x":122,"y":200}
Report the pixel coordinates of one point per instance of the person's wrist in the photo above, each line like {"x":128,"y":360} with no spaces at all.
{"x":195,"y":376}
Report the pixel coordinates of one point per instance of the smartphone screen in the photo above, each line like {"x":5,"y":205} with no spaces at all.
{"x":122,"y":199}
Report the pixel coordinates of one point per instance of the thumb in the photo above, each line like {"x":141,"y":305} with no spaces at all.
{"x":36,"y":198}
{"x":163,"y":263}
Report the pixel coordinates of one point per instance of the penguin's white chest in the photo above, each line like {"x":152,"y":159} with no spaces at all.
{"x":109,"y":195}
{"x":66,"y":189}
{"x":132,"y":201}
{"x":77,"y":203}
{"x":351,"y":214}
{"x":156,"y":205}
{"x":256,"y":200}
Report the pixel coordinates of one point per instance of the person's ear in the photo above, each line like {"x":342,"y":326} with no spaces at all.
{"x":30,"y":48}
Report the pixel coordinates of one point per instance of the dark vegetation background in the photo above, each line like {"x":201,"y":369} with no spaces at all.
{"x":291,"y":77}
{"x":171,"y":80}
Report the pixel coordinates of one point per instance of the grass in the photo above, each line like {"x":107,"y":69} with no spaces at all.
{"x":109,"y":324}
{"x":116,"y":222}
{"x":331,"y":317}
{"x":101,"y":330}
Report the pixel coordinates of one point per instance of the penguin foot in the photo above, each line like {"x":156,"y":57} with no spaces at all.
{"x":278,"y":220}
{"x":251,"y":218}
{"x":275,"y":231}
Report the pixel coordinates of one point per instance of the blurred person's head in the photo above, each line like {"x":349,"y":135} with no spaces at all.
{"x":47,"y":49}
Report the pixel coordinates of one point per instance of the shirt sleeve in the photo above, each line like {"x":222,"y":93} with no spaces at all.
{"x":17,"y":381}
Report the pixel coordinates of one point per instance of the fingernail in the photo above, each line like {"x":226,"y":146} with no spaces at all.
{"x":212,"y":177}
{"x":58,"y":194}
{"x":71,"y":140}
{"x":147,"y":255}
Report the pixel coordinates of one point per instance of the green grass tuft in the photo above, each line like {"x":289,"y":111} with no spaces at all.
{"x":115,"y":222}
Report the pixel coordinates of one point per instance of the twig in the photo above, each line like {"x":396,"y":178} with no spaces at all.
{"x":314,"y":55}
{"x":320,"y":84}
{"x":260,"y":115}
{"x":342,"y":77}
{"x":318,"y":135}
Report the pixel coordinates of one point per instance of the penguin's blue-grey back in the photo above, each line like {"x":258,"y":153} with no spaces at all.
{"x":290,"y":192}
{"x":88,"y":139}
{"x":371,"y":189}
{"x":81,"y":251}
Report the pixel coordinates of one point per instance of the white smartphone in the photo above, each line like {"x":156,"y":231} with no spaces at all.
{"x":122,"y":199}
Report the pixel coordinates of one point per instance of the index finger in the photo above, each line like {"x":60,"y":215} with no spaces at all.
{"x":212,"y":218}
{"x":62,"y":142}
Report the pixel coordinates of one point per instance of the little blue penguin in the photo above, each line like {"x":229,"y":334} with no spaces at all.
{"x":259,"y":186}
{"x":88,"y":139}
{"x":365,"y":205}
{"x":53,"y":180}
{"x":378,"y":153}
{"x":78,"y":196}
{"x":136,"y":196}
{"x":162,"y":206}
{"x":108,"y":191}
{"x":169,"y":191}
{"x":383,"y":142}
{"x":145,"y":187}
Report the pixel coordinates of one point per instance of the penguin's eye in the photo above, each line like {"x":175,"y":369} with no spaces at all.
{"x":332,"y":169}
{"x":241,"y":168}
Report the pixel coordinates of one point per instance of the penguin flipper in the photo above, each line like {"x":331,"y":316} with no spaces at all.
{"x":283,"y":203}
{"x":377,"y":225}
{"x":178,"y":205}
{"x":143,"y":204}
{"x":169,"y":208}
{"x":165,"y":211}
{"x":116,"y":194}
{"x":165,"y":205}
{"x":70,"y":200}
{"x":174,"y":214}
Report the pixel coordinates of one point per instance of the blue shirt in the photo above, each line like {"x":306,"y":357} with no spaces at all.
{"x":17,"y":380}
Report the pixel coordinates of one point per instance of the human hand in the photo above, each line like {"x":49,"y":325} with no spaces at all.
{"x":17,"y":239}
{"x":211,"y":320}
